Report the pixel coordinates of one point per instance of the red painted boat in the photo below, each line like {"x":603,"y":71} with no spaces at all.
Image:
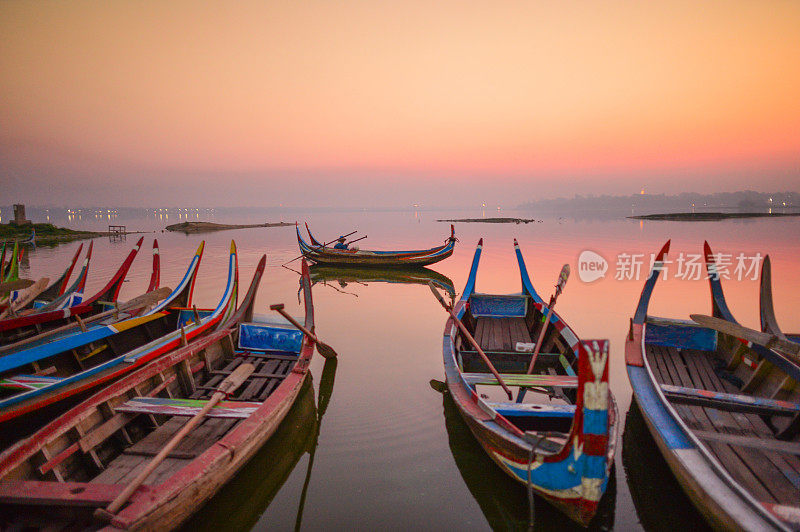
{"x":15,"y":329}
{"x":84,"y":460}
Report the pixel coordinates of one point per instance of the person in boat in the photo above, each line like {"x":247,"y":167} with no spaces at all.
{"x":340,"y":243}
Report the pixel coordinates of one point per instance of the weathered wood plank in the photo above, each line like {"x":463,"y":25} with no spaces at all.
{"x":755,"y":443}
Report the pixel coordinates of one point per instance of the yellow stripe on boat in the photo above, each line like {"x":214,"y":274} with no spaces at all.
{"x":134,"y":322}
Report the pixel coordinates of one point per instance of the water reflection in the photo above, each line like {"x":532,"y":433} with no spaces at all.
{"x":327,"y":275}
{"x":651,"y":482}
{"x":503,"y":501}
{"x":242,"y":501}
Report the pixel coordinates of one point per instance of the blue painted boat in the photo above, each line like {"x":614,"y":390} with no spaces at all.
{"x":318,"y":253}
{"x":718,"y":409}
{"x":560,"y":441}
{"x":45,"y":375}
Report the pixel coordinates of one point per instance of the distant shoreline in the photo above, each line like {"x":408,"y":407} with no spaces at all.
{"x":492,"y":220}
{"x":710,"y":216}
{"x":205,"y":227}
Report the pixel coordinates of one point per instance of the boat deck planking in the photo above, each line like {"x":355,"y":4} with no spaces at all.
{"x":501,"y":334}
{"x":127,"y":464}
{"x":770,"y":475}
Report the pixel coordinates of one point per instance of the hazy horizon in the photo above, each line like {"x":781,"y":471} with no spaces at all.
{"x":357,"y":104}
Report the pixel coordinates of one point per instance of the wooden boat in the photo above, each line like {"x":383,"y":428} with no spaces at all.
{"x":718,"y":409}
{"x":60,"y":285}
{"x":423,"y":276}
{"x":44,"y":375}
{"x":318,"y":253}
{"x":11,"y":271}
{"x":118,"y":312}
{"x":14,"y":329}
{"x":95,"y":450}
{"x":560,"y":442}
{"x":71,"y":296}
{"x":272,"y":465}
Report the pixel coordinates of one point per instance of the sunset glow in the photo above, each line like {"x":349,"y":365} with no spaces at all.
{"x":527,"y":92}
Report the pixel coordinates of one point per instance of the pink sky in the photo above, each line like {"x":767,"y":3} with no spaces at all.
{"x":387,"y":102}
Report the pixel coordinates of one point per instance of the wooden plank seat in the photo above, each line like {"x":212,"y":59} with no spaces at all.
{"x":730,"y":401}
{"x":28,"y":382}
{"x":187,"y":407}
{"x":512,"y":361}
{"x":522,"y":380}
{"x":533,"y":410}
{"x":761,"y":443}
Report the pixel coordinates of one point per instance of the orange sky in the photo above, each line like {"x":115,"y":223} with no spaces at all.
{"x":529,"y":92}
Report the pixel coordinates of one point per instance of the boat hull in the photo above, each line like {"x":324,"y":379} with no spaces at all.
{"x":325,"y":255}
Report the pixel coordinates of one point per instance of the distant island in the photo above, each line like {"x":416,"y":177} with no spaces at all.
{"x":710,"y":216}
{"x":492,"y":220}
{"x":205,"y":227}
{"x":46,"y":234}
{"x":741,"y":202}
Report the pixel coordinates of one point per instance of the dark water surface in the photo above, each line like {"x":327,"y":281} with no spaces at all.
{"x":390,"y":452}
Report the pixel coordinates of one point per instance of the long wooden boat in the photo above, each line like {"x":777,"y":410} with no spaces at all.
{"x":717,"y":408}
{"x":60,"y":285}
{"x":45,"y":375}
{"x":12,"y":330}
{"x":343,"y":276}
{"x":317,"y":253}
{"x":55,"y":289}
{"x":95,"y":450}
{"x":559,"y":442}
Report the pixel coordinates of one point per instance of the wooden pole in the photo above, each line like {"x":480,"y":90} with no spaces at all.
{"x":562,"y":281}
{"x":323,"y":245}
{"x":469,"y":338}
{"x":323,"y":348}
{"x":230,"y":384}
{"x":787,"y":348}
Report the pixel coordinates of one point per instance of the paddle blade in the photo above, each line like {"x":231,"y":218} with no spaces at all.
{"x":325,"y":350}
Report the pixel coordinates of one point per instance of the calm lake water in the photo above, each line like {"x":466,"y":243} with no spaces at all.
{"x":380,"y":448}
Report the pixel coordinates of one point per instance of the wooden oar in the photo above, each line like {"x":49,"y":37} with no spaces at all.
{"x":230,"y":384}
{"x":357,"y":239}
{"x":323,"y":245}
{"x":789,"y":349}
{"x":25,"y":297}
{"x":562,"y":282}
{"x":323,"y":348}
{"x":137,"y":302}
{"x":469,"y":337}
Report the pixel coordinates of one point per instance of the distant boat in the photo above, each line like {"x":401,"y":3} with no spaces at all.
{"x":319,"y":253}
{"x":724,"y":412}
{"x":31,"y":239}
{"x":561,"y":444}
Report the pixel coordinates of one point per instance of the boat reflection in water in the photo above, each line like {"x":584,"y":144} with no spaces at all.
{"x":651,"y":483}
{"x":503,"y":501}
{"x":241,"y":502}
{"x":343,"y":276}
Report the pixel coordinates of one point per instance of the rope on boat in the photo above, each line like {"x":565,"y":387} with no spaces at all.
{"x":531,"y":454}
